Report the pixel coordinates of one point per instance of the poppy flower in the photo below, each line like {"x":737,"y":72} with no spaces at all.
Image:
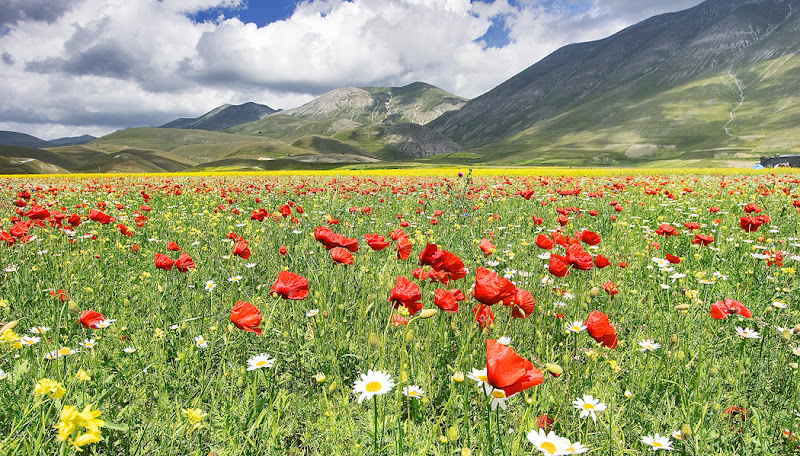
{"x":37,"y":213}
{"x":398,"y":320}
{"x":6,"y":237}
{"x":184,"y":262}
{"x":407,"y":294}
{"x":443,"y":261}
{"x":600,"y":329}
{"x":544,"y":242}
{"x":562,"y":219}
{"x":487,"y":247}
{"x":749,"y":224}
{"x":537,"y":220}
{"x":329,"y":239}
{"x":601,"y":262}
{"x":508,"y":371}
{"x":246,"y":316}
{"x":526,"y":194}
{"x":74,"y":220}
{"x":124,"y":230}
{"x":341,"y":255}
{"x":445,"y":300}
{"x":290,"y":286}
{"x":558,"y":266}
{"x":163,"y":262}
{"x":722,"y":309}
{"x":691,"y":226}
{"x":667,"y":230}
{"x":282,"y":250}
{"x":752,"y":208}
{"x":702,"y":239}
{"x":403,"y":248}
{"x":491,"y":288}
{"x":483,"y":315}
{"x":590,"y":237}
{"x":578,"y":258}
{"x":90,"y":318}
{"x":135,"y":248}
{"x":99,"y":217}
{"x":376,"y":242}
{"x":242,"y":250}
{"x":61,"y":295}
{"x":610,"y":288}
{"x":522,"y":304}
{"x":673,"y":259}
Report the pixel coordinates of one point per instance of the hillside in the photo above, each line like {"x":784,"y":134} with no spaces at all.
{"x":717,"y":81}
{"x":223,"y":117}
{"x":13,"y":138}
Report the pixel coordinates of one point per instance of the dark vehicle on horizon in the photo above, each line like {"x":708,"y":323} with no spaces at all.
{"x":779,"y":161}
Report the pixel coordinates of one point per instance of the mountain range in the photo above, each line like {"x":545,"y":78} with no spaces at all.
{"x":716,"y":84}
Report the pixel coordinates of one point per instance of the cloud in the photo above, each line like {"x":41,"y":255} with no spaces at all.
{"x":14,"y":11}
{"x":109,"y":64}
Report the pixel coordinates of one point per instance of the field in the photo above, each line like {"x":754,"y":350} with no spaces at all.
{"x":494,"y":312}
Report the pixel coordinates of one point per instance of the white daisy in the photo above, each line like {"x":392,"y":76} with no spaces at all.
{"x":39,"y":330}
{"x":104,"y":323}
{"x":549,"y":443}
{"x":661,"y":262}
{"x":505,"y":340}
{"x":479,"y":375}
{"x":779,"y":305}
{"x":747,"y":333}
{"x":413,"y":391}
{"x":249,"y":265}
{"x":129,"y":350}
{"x":371,"y":384}
{"x":3,"y":374}
{"x":649,"y":345}
{"x":560,"y":304}
{"x":498,"y":396}
{"x":796,"y":350}
{"x":589,"y":406}
{"x":200,"y":342}
{"x":576,"y":326}
{"x":260,"y":361}
{"x":210,"y":285}
{"x":51,"y":355}
{"x":312,"y":313}
{"x":28,"y":340}
{"x":658,"y":442}
{"x":66,"y":351}
{"x":235,"y":279}
{"x":88,"y":343}
{"x":567,"y":295}
{"x":544,"y":256}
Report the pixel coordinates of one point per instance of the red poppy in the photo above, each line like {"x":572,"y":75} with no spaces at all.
{"x":37,"y":213}
{"x":522,"y":304}
{"x":691,"y":226}
{"x":545,"y":422}
{"x":443,"y":261}
{"x":526,"y":193}
{"x":135,"y":248}
{"x":610,"y":288}
{"x":407,"y":294}
{"x":173,"y":246}
{"x":558,"y":265}
{"x":398,"y":320}
{"x":666,"y":230}
{"x":749,"y":224}
{"x":99,"y":217}
{"x":590,"y":237}
{"x":282,"y":250}
{"x":376,"y":242}
{"x":673,"y":259}
{"x":124,"y":230}
{"x":578,"y":258}
{"x":246,"y":316}
{"x":61,"y":295}
{"x":752,"y":208}
{"x":403,"y":248}
{"x":329,"y":239}
{"x":487,"y":247}
{"x":600,"y":261}
{"x":341,"y":255}
{"x":537,"y":220}
{"x":285,"y":210}
{"x":491,"y":288}
{"x":90,"y":318}
{"x":290,"y":286}
{"x":242,"y":250}
{"x":6,"y":237}
{"x":600,"y":329}
{"x":713,"y":209}
{"x":544,"y":242}
{"x":483,"y":315}
{"x":74,"y":220}
{"x":445,"y":300}
{"x":722,"y":309}
{"x":184,"y":262}
{"x":562,"y":219}
{"x":702,"y":239}
{"x":163,"y":262}
{"x":508,"y":371}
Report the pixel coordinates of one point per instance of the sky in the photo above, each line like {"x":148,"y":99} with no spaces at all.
{"x":73,"y":67}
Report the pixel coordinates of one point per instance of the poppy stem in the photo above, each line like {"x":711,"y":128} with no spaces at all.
{"x":489,"y":426}
{"x":375,"y":409}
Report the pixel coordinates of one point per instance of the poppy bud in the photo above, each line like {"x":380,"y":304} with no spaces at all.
{"x":466,"y":452}
{"x":554,"y":369}
{"x":686,"y":432}
{"x":593,"y":292}
{"x":333,"y":386}
{"x":320,"y":377}
{"x":410,"y":335}
{"x":73,"y":307}
{"x":794,"y":365}
{"x":674,"y":339}
{"x":682,"y":307}
{"x":9,"y":326}
{"x":458,"y":377}
{"x":797,"y":328}
{"x":427,"y":313}
{"x":452,"y":433}
{"x":373,"y":339}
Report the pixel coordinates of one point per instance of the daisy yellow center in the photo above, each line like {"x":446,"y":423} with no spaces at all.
{"x":658,"y":444}
{"x":413,"y":393}
{"x":549,"y":447}
{"x":261,"y":363}
{"x":588,"y":407}
{"x":64,"y":351}
{"x":483,"y":378}
{"x":498,"y":394}
{"x":373,"y":387}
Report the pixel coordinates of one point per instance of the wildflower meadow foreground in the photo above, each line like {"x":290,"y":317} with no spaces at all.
{"x":458,"y":314}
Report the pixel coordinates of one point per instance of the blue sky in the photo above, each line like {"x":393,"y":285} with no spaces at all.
{"x":94,"y":66}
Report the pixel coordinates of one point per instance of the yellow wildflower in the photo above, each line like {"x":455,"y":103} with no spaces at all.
{"x":195,"y":417}
{"x":50,"y":388}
